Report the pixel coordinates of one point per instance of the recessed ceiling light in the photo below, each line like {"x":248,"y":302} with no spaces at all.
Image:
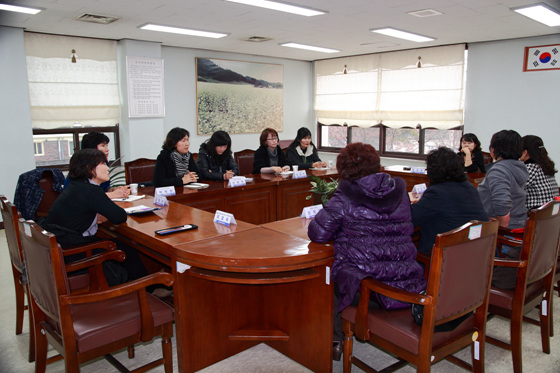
{"x":183,"y":31}
{"x":19,"y":9}
{"x":282,"y":7}
{"x":540,"y":13}
{"x":402,"y":34}
{"x":309,"y":47}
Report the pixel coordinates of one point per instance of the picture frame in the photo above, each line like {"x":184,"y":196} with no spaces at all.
{"x":238,"y":97}
{"x":542,"y":58}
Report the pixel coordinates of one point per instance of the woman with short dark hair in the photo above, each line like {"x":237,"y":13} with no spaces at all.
{"x":175,"y":165}
{"x":302,"y":152}
{"x":369,"y":220}
{"x":74,"y":216}
{"x":449,"y":202}
{"x":215,"y":161}
{"x":269,"y":157}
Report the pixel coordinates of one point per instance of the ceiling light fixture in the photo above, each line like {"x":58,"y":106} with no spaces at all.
{"x":309,"y":47}
{"x":402,"y":34}
{"x":540,"y":13}
{"x":282,"y":7}
{"x":19,"y":9}
{"x":182,"y":31}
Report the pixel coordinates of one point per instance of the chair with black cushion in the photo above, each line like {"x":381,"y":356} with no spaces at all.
{"x":534,"y":280}
{"x":458,"y":285}
{"x":244,"y":160}
{"x":87,"y":326}
{"x":10,"y":218}
{"x":140,"y":171}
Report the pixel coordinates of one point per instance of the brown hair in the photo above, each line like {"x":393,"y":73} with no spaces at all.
{"x":265,"y":133}
{"x":357,"y":160}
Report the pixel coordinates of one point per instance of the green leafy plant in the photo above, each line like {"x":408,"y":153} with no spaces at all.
{"x":116,"y":176}
{"x":322,"y":187}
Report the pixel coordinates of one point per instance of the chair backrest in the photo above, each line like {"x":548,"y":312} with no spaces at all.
{"x":140,"y":170}
{"x":541,"y":240}
{"x":10,"y":217}
{"x":461,"y":268}
{"x":284,"y":144}
{"x":244,"y":160}
{"x":44,"y":263}
{"x":487,"y":158}
{"x":49,"y":196}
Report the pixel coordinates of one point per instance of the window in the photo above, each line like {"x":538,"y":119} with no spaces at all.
{"x":57,"y":145}
{"x":38,"y":148}
{"x":391,"y":101}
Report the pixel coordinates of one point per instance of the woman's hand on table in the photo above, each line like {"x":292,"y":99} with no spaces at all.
{"x":191,"y":177}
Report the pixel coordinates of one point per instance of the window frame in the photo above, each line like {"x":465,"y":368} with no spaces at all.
{"x":36,"y":153}
{"x":76,"y":132}
{"x":381,"y":148}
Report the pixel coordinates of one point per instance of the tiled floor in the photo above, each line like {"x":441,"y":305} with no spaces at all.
{"x":261,"y":358}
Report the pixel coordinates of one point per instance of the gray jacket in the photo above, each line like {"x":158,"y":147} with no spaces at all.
{"x":503,"y":191}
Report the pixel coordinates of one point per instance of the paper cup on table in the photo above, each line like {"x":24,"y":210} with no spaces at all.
{"x":330,"y":164}
{"x":295,"y":168}
{"x":134,"y":189}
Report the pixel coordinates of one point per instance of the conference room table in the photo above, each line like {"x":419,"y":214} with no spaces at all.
{"x":240,"y":285}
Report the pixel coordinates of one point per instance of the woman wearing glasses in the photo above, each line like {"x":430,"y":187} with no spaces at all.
{"x":269,"y":158}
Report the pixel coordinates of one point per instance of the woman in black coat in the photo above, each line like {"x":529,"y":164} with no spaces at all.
{"x":302,"y":152}
{"x":175,"y":165}
{"x":269,"y":157}
{"x":215,"y":161}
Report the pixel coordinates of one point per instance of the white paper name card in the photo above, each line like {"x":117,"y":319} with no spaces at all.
{"x":475,"y":231}
{"x":182,"y":267}
{"x":418,"y":170}
{"x":419,"y":188}
{"x":299,"y":174}
{"x":555,"y":209}
{"x":310,"y":211}
{"x":161,"y":201}
{"x":165,"y":191}
{"x":236,"y":181}
{"x":225,"y":218}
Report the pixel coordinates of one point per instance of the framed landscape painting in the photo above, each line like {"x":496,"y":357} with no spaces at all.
{"x":238,"y":97}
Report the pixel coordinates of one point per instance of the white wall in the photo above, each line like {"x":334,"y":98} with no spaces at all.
{"x":501,"y":96}
{"x":16,"y":139}
{"x":180,"y":95}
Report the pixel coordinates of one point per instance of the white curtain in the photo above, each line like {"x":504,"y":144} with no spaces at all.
{"x":63,"y":93}
{"x":389,"y":88}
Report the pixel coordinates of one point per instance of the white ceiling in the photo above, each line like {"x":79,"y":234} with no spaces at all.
{"x":345,"y":27}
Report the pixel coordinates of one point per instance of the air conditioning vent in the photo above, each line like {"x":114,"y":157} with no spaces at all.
{"x":257,"y":39}
{"x":104,"y":20}
{"x":425,"y":13}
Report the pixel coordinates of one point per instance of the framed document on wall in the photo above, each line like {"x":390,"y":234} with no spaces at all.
{"x":542,"y":57}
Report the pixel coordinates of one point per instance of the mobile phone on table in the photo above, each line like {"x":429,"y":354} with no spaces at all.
{"x":180,"y":228}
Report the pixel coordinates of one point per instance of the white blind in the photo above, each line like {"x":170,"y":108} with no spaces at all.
{"x":61,"y":92}
{"x":389,"y":88}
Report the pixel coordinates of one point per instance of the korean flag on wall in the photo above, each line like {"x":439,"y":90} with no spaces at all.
{"x":544,"y":57}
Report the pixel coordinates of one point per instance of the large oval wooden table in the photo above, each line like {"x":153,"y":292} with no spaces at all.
{"x":241,"y":285}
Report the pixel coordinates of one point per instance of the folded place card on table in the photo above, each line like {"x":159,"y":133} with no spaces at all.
{"x":224,"y":218}
{"x":165,"y":191}
{"x":141,"y":209}
{"x":300,"y":174}
{"x":196,"y":186}
{"x":237,"y":181}
{"x":310,"y":211}
{"x":130,"y":198}
{"x":319,"y":168}
{"x":418,"y":170}
{"x":419,"y":188}
{"x":161,"y":201}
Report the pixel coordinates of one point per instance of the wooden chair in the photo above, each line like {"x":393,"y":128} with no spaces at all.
{"x":49,"y":196}
{"x":10,"y":217}
{"x":459,"y":283}
{"x":139,"y":171}
{"x":244,"y":160}
{"x":535,"y":273}
{"x":487,"y":158}
{"x":86,"y":326}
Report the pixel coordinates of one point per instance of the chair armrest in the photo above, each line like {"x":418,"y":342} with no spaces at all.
{"x":501,"y":262}
{"x":395,"y":293}
{"x":96,"y":260}
{"x":107,"y":245}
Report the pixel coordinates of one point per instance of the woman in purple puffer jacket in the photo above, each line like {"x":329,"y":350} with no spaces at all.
{"x":369,"y":219}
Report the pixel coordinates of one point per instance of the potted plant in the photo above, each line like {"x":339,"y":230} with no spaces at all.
{"x":322,"y":189}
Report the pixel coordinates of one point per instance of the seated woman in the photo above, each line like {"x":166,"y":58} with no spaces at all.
{"x":175,"y":165}
{"x":100,"y":141}
{"x":302,"y":152}
{"x":541,"y":186}
{"x":269,"y":157}
{"x":74,"y":216}
{"x":449,"y":202}
{"x":215,"y":161}
{"x":471,"y":152}
{"x":369,"y":220}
